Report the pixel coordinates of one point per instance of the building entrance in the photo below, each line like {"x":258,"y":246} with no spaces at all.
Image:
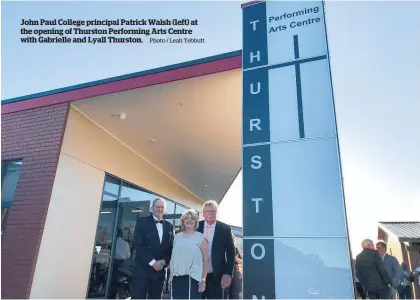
{"x":113,"y":258}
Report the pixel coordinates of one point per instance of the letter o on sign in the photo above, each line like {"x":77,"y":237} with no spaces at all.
{"x":262,"y":251}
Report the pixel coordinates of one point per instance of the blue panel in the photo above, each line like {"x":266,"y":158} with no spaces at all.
{"x":254,"y":30}
{"x":257,"y":206}
{"x":256,"y":110}
{"x":317,"y":101}
{"x":307,"y":191}
{"x":313,"y":268}
{"x":283,"y":30}
{"x":259,"y":255}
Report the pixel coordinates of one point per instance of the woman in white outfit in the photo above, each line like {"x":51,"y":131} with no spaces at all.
{"x":189,"y":261}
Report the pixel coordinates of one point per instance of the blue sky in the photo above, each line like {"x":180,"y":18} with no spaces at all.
{"x":374,"y":50}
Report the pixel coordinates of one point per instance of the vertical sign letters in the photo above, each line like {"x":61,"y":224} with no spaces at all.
{"x":293,"y":210}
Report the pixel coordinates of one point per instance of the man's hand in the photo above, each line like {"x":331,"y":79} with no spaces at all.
{"x":162,"y":262}
{"x":226,"y":279}
{"x":157,"y":266}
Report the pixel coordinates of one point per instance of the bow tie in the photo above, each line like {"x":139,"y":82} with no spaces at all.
{"x":161,"y":221}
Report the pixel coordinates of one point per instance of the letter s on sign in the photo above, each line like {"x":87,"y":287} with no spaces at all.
{"x":256,"y":159}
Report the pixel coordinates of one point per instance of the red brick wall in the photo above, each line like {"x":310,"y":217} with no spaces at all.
{"x":34,"y":135}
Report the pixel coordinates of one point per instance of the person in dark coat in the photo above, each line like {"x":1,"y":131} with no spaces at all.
{"x":221,"y":251}
{"x":153,"y":241}
{"x":235,"y":288}
{"x":371,"y":272}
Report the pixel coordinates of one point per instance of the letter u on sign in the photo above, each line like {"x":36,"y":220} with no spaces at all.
{"x":252,"y":88}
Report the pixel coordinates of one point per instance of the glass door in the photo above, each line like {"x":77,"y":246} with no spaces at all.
{"x":127,"y":214}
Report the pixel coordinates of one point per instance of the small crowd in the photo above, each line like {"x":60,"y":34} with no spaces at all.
{"x":380,"y":276}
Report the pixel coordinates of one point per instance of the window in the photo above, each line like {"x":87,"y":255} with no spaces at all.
{"x":122,"y":203}
{"x":112,"y":185}
{"x":10,"y":175}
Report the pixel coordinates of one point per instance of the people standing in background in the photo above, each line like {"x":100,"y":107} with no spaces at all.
{"x":371,"y":272}
{"x":190,"y":260}
{"x":392,"y":267}
{"x":416,"y":274}
{"x":404,"y":285}
{"x":235,"y":288}
{"x":153,"y":239}
{"x":221,"y":251}
{"x":360,"y":293}
{"x":122,"y":252}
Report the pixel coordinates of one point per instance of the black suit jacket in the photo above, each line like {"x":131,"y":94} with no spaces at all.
{"x":223,"y":249}
{"x":371,"y":271}
{"x":148,"y":247}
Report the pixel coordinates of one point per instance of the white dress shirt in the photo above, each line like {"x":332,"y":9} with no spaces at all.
{"x":122,"y":249}
{"x":159,"y":228}
{"x":210,"y":236}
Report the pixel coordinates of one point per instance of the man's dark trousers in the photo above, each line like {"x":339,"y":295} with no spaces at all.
{"x":147,"y":288}
{"x":379,"y":294}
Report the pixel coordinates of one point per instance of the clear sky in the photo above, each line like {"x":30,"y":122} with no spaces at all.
{"x":374,"y":50}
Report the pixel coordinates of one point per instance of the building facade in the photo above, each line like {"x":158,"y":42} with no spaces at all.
{"x":80,"y":164}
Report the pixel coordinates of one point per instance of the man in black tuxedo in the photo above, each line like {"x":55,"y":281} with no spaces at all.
{"x":371,"y":272}
{"x":221,"y":252}
{"x":153,"y":240}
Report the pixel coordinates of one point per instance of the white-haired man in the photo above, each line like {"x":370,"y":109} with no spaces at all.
{"x":221,"y":251}
{"x":153,"y":242}
{"x":371,"y":272}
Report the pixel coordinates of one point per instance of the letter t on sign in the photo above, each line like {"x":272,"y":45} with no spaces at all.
{"x":257,"y":204}
{"x":254,"y":25}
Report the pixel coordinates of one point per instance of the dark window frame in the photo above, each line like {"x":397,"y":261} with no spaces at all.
{"x":6,"y":205}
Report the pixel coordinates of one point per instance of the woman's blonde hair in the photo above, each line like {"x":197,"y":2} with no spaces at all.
{"x":194,"y":216}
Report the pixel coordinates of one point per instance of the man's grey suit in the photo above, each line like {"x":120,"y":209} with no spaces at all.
{"x":394,"y":271}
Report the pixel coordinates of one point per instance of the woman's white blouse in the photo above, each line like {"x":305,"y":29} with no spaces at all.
{"x":187,"y":258}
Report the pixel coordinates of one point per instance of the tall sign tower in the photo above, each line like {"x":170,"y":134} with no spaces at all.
{"x":295,"y":233}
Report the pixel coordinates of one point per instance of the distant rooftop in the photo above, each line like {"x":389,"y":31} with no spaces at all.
{"x":407,"y":231}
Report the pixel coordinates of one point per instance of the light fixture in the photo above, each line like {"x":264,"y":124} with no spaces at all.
{"x":123,"y":115}
{"x":153,"y":141}
{"x":106,"y":212}
{"x":205,"y":185}
{"x":137,"y":210}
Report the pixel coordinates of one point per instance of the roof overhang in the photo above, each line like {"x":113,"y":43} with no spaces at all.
{"x":406,"y":240}
{"x":184,"y":119}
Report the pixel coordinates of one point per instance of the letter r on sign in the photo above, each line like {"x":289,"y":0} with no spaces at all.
{"x":254,"y":123}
